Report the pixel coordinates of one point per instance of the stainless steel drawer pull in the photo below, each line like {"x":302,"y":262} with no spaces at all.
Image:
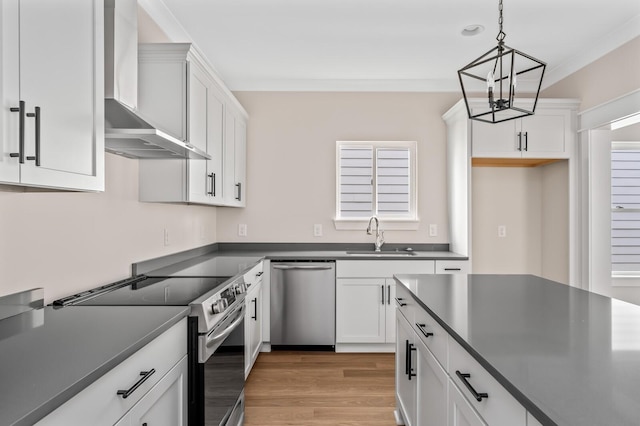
{"x":426,"y":333}
{"x":145,"y":375}
{"x":477,"y":395}
{"x":312,"y":268}
{"x":400,"y":302}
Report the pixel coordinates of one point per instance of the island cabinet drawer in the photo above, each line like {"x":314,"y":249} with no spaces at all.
{"x":496,"y":406}
{"x":452,"y":267}
{"x":382,"y":268}
{"x":103,"y":401}
{"x":432,"y":335}
{"x":405,"y":304}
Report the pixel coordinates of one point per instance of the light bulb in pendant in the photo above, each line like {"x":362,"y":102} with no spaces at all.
{"x":491,"y":82}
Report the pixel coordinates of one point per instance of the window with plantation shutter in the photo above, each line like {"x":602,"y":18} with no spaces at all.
{"x":376,"y":179}
{"x":625,"y":208}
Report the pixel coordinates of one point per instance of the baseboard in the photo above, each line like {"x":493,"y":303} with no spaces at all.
{"x":365,"y":347}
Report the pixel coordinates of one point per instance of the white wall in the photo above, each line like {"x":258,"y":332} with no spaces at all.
{"x":67,"y":242}
{"x":291,"y":166}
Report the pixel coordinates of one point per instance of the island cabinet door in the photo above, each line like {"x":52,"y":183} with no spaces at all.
{"x":461,"y":413}
{"x":406,"y":370}
{"x":431,"y":402}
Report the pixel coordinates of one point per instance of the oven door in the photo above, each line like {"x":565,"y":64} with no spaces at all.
{"x":221,"y":372}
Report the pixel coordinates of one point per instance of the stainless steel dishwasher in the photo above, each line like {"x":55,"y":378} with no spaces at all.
{"x":303,"y":305}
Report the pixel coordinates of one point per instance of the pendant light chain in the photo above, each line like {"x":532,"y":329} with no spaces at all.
{"x":501,"y":34}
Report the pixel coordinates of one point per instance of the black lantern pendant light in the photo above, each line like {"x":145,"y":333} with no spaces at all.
{"x":498,"y":73}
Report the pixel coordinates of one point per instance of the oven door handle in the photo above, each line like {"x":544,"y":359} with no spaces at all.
{"x":210,"y":343}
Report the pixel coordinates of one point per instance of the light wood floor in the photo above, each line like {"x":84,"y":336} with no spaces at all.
{"x":320,"y":389}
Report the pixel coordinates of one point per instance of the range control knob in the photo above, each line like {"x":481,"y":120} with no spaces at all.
{"x":219,"y":306}
{"x":241,"y":288}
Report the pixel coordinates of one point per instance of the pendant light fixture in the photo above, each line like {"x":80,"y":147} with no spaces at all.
{"x":504,"y":74}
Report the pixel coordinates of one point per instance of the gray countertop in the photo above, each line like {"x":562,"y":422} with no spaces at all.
{"x":49,"y":355}
{"x":571,"y":357}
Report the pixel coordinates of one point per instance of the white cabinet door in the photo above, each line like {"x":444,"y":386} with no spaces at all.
{"x":166,"y":402}
{"x":406,"y":378}
{"x":390,"y":311}
{"x":543,"y":135}
{"x":215,"y":140}
{"x":60,"y":47}
{"x":461,"y":413}
{"x":432,"y":389}
{"x":360,"y":310}
{"x":253,"y":326}
{"x":198,"y":132}
{"x":495,"y":140}
{"x":235,"y":159}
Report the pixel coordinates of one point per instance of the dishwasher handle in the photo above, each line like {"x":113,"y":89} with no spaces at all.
{"x":305,"y":267}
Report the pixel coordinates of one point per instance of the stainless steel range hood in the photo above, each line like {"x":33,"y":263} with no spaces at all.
{"x":126,"y":132}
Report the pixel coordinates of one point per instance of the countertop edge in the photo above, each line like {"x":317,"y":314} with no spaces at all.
{"x":514,"y":391}
{"x":58,"y":400}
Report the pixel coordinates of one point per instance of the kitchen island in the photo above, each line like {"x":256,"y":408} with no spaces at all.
{"x":567,"y":356}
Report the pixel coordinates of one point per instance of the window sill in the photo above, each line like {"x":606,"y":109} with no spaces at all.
{"x":385,"y":224}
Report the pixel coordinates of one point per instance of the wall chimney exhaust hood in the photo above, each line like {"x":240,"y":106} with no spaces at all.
{"x":126,"y":132}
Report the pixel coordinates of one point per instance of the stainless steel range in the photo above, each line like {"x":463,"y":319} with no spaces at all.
{"x":216,"y":335}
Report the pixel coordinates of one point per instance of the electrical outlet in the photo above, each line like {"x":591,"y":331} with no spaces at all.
{"x":166,"y":237}
{"x":502,"y":231}
{"x":317,"y":230}
{"x":433,"y":230}
{"x":242,"y":230}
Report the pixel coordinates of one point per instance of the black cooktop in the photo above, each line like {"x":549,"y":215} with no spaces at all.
{"x":157,"y":291}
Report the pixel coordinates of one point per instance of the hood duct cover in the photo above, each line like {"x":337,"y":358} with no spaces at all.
{"x":129,"y":135}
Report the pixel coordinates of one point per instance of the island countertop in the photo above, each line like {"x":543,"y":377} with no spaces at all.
{"x":569,"y":356}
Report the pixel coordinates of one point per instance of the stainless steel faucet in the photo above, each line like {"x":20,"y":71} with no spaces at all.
{"x":379,"y":234}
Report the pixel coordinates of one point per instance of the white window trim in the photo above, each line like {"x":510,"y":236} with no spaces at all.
{"x":411,"y":223}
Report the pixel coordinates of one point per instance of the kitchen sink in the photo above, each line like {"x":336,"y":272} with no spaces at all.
{"x":371,"y":253}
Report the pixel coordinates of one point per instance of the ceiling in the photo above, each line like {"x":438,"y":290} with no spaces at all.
{"x":395,"y":45}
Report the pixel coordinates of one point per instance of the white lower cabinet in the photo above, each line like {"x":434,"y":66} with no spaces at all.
{"x":160,"y":369}
{"x":365,"y":302}
{"x":253,"y":326}
{"x":165,"y":404}
{"x":432,"y":382}
{"x":406,"y":377}
{"x":461,"y":413}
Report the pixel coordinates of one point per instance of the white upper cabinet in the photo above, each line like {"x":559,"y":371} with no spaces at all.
{"x":546,"y":134}
{"x":179,"y":95}
{"x":52,"y":91}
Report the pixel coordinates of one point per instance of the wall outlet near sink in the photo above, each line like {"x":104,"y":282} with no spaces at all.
{"x":317,"y":230}
{"x":242,"y":230}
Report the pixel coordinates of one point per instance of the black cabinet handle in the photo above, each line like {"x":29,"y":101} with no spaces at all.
{"x":259,"y":274}
{"x":477,"y":395}
{"x":526,"y":141}
{"x":410,"y":372}
{"x":255,"y":309}
{"x":426,"y":333}
{"x":145,"y":375}
{"x":399,"y":301}
{"x":452,"y":269}
{"x":212,"y":176}
{"x":407,"y":355}
{"x":36,"y":115}
{"x":519,"y":141}
{"x":20,"y":154}
{"x":388,"y":295}
{"x":239,"y":197}
{"x":382,"y":291}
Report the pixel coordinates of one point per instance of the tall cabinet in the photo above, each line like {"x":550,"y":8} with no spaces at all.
{"x":180,"y":95}
{"x":540,"y":140}
{"x":52,"y":92}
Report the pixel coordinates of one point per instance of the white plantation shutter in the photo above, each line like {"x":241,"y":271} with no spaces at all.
{"x":356,"y":181}
{"x":393,"y":183}
{"x":375,"y":178}
{"x":625,"y":211}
